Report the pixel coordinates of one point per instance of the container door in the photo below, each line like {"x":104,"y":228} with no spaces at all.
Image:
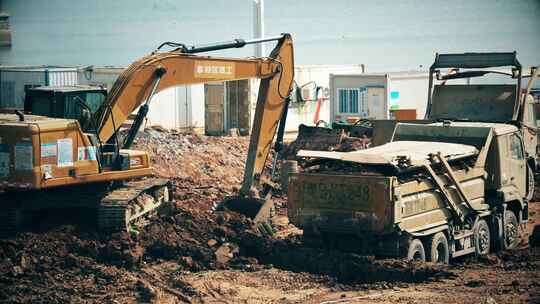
{"x":238,"y":106}
{"x":376,"y":107}
{"x":214,"y":101}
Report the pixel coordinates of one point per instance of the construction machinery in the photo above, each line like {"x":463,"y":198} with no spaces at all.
{"x":439,"y":190}
{"x":66,"y":150}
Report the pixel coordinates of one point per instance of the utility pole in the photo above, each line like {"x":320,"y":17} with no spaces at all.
{"x":258,"y":26}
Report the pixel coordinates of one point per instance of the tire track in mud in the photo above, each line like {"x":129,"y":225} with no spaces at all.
{"x":291,"y":254}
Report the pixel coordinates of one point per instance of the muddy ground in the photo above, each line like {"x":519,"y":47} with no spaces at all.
{"x":191,"y":254}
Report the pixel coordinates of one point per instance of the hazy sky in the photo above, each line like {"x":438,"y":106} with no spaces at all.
{"x":383,"y":34}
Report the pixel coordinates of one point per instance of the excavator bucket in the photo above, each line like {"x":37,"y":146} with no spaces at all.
{"x":259,"y":210}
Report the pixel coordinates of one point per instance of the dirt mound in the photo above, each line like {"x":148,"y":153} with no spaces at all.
{"x":198,"y":237}
{"x":58,"y":265}
{"x":205,"y":161}
{"x":527,"y":258}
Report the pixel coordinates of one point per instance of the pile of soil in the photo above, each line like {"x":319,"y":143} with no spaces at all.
{"x":206,"y":161}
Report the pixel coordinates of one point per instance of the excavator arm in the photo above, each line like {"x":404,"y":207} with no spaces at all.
{"x":161,"y":70}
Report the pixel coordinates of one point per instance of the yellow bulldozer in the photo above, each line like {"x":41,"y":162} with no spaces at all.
{"x":65,"y":149}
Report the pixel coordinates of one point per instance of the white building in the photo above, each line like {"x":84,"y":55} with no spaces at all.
{"x":374,"y":96}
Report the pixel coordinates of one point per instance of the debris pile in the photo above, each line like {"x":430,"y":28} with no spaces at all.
{"x":211,"y":162}
{"x":324,"y":139}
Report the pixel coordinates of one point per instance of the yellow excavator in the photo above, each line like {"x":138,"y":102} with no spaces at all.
{"x":66,"y":151}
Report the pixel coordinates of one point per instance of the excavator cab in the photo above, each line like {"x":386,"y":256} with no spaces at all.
{"x":71,"y":102}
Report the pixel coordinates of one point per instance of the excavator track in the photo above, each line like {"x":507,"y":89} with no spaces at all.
{"x":130,"y":202}
{"x":8,"y":222}
{"x":118,"y":205}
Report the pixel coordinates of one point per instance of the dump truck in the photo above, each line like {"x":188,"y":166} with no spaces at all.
{"x":67,"y":151}
{"x":436,"y":191}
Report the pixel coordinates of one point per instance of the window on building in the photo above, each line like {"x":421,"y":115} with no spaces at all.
{"x":348,"y":100}
{"x":352,"y":101}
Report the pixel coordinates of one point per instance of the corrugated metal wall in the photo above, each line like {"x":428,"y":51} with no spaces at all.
{"x":14,"y":82}
{"x":62,"y":78}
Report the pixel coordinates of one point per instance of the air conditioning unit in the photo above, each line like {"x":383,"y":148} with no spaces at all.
{"x":308,"y":94}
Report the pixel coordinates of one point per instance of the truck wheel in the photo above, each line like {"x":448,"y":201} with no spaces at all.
{"x":438,"y":249}
{"x":416,"y":251}
{"x":511,"y":237}
{"x":482,"y":238}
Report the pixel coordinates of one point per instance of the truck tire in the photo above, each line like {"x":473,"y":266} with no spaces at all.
{"x":438,"y":248}
{"x":416,"y":251}
{"x":482,"y":238}
{"x":511,"y":237}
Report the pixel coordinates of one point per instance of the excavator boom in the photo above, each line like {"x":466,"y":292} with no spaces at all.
{"x":161,"y":70}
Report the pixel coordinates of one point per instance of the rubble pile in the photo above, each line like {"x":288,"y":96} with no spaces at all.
{"x":323,"y":139}
{"x":190,"y":232}
{"x":216,"y":163}
{"x":64,"y":265}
